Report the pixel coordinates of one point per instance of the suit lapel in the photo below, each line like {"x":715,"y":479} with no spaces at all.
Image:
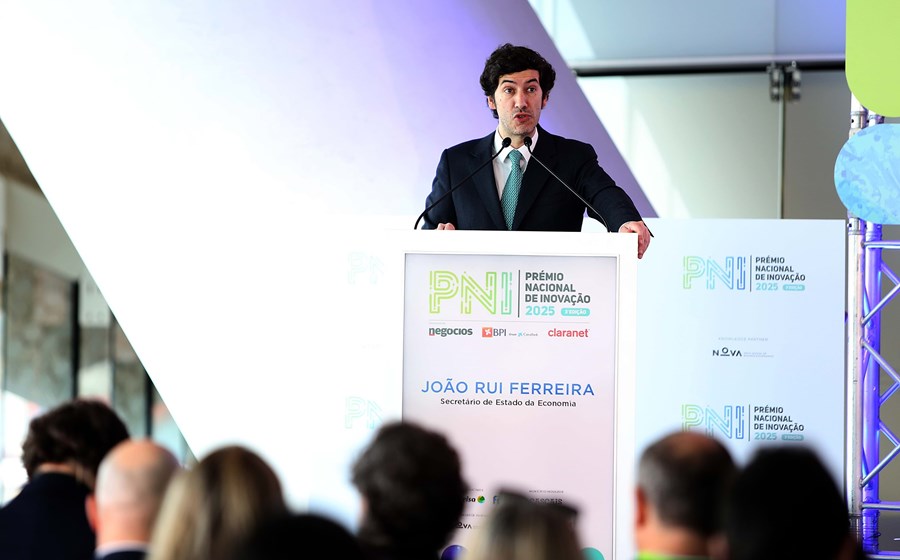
{"x":535,"y":175}
{"x":484,"y":180}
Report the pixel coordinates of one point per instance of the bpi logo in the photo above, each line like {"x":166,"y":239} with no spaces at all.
{"x":732,"y":423}
{"x":495,"y":295}
{"x":490,"y":332}
{"x":732,"y":275}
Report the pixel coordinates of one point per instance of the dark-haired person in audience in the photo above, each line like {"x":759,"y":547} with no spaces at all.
{"x":785,"y":505}
{"x":211,"y":508}
{"x":61,"y":453}
{"x":519,"y":529}
{"x":131,"y":483}
{"x":682,"y":483}
{"x":410,"y":481}
{"x":308,"y":536}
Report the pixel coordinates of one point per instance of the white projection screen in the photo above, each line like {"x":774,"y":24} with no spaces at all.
{"x":230,"y":173}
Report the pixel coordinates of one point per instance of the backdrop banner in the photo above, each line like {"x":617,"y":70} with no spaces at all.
{"x":741,"y":334}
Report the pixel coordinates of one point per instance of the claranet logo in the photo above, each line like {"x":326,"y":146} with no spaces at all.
{"x":446,"y":331}
{"x":731,"y":274}
{"x":494,"y":295}
{"x":569,"y":333}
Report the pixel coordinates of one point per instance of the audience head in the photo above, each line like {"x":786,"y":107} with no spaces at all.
{"x":682,"y":483}
{"x":211,"y":507}
{"x":410,"y":480}
{"x":299,"y":536}
{"x":519,"y":529}
{"x":131,"y":483}
{"x":785,"y":504}
{"x":73,"y":437}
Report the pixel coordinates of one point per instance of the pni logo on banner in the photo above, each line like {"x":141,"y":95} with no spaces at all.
{"x":730,"y":424}
{"x":358,"y":410}
{"x":494,"y":295}
{"x":730,"y":274}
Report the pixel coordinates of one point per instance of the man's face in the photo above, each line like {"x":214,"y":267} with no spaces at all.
{"x":518,"y":102}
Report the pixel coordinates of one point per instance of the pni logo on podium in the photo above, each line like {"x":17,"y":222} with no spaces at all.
{"x":731,"y":274}
{"x":493,"y":293}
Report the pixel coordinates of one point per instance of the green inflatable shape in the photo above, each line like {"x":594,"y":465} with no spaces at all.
{"x":873,"y":54}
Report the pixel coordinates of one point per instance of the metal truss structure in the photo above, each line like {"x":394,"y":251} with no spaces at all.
{"x":866,"y":300}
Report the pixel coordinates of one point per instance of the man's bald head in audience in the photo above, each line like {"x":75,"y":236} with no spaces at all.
{"x":131,"y":483}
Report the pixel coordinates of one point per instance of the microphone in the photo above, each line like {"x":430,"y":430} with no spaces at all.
{"x":555,"y":176}
{"x":505,"y":144}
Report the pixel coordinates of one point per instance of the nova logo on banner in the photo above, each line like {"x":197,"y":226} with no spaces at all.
{"x":495,"y":295}
{"x":731,"y":424}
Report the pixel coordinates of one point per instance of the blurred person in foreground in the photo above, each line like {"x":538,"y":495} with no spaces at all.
{"x":519,"y":529}
{"x":211,"y":508}
{"x":410,"y":481}
{"x":682,"y":483}
{"x":61,"y":454}
{"x":786,"y":505}
{"x":131,"y":483}
{"x":309,"y":536}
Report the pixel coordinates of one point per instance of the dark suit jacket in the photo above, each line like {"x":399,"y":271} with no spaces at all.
{"x":544,"y":204}
{"x":124,"y":555}
{"x":47,"y":520}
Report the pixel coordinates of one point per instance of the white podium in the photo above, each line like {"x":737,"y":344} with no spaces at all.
{"x":520,"y":346}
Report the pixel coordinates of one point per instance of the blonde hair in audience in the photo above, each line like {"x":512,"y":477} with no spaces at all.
{"x":518,"y":529}
{"x":209,"y":509}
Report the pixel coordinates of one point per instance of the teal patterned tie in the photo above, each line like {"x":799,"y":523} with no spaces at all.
{"x":511,"y":191}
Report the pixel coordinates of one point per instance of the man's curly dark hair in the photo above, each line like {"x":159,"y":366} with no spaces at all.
{"x":509,"y":59}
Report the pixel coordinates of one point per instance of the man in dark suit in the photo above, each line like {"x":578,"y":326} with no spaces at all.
{"x":513,"y":192}
{"x":61,"y":454}
{"x":131,"y":483}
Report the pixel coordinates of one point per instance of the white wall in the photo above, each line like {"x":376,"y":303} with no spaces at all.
{"x":701,"y":146}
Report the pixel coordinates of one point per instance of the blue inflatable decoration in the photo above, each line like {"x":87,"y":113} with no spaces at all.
{"x":867,"y":174}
